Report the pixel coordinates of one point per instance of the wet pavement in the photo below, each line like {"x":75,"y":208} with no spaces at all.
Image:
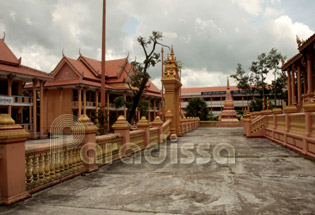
{"x":198,"y":176}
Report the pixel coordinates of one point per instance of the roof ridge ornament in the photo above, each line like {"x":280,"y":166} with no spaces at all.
{"x":299,"y":41}
{"x":4,"y":36}
{"x":80,"y":52}
{"x":63,"y":53}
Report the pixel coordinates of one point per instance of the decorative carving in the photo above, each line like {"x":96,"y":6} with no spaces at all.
{"x":282,"y":61}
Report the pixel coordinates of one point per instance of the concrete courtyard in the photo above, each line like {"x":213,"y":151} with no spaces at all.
{"x":265,"y":179}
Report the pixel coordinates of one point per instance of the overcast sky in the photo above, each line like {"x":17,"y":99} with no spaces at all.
{"x":209,"y":37}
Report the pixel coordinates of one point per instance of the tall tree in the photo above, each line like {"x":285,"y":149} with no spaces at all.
{"x":243,"y":80}
{"x":138,"y":81}
{"x":197,"y":107}
{"x":255,"y":80}
{"x":278,"y":84}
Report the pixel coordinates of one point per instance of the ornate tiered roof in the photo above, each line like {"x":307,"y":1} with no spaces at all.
{"x":228,"y":113}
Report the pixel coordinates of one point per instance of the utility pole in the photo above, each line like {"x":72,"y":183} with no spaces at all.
{"x":103,"y":58}
{"x":162,"y":108}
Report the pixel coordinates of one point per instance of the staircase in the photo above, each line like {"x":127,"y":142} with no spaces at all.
{"x":257,"y":127}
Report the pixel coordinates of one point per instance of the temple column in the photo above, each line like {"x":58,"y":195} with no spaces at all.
{"x":79,"y":102}
{"x":84,"y":100}
{"x":96,"y":102}
{"x":299,"y":82}
{"x":10,"y":79}
{"x":60,"y":100}
{"x":242,"y":102}
{"x":293,"y":86}
{"x":41,"y":108}
{"x":20,"y":93}
{"x":125,"y":110}
{"x":289,"y":89}
{"x":34,"y":109}
{"x":108,"y":111}
{"x":149,"y":113}
{"x":309,"y":73}
{"x":154,"y":107}
{"x":30,"y":116}
{"x":305,"y":82}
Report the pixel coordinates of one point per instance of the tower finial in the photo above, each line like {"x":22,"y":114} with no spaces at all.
{"x":228,"y":82}
{"x":172,"y":51}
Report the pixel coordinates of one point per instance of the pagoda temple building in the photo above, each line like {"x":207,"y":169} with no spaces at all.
{"x":228,"y":113}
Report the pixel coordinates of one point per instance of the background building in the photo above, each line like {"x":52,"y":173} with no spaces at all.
{"x":215,"y":96}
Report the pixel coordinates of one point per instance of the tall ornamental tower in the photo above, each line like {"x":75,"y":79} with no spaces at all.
{"x":228,"y":114}
{"x":172,"y":86}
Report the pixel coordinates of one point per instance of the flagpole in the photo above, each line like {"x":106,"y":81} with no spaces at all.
{"x":103,"y":94}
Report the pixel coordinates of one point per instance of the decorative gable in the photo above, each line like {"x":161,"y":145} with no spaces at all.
{"x":66,"y":73}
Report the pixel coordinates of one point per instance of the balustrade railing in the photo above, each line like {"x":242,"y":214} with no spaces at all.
{"x":108,"y":148}
{"x":166,"y":129}
{"x":297,"y":122}
{"x":45,"y":165}
{"x":136,"y":140}
{"x":154,"y":136}
{"x":280,"y":122}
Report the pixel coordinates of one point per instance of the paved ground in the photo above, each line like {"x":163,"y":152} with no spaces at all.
{"x":265,"y":179}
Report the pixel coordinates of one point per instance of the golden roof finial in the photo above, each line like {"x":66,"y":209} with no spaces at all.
{"x":228,"y":82}
{"x":172,"y":51}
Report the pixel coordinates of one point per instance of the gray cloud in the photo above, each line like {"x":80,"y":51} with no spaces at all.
{"x":209,"y":37}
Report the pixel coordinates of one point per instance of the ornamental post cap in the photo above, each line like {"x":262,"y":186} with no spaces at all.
{"x":143,"y":122}
{"x":121,"y":123}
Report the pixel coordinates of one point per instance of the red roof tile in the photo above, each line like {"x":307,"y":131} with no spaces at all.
{"x":71,"y":82}
{"x":82,"y":69}
{"x":112,"y":67}
{"x":6,"y":55}
{"x":152,"y":87}
{"x":24,"y":70}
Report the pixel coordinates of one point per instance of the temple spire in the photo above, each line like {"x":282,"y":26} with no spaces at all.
{"x":172,"y":51}
{"x":228,"y":83}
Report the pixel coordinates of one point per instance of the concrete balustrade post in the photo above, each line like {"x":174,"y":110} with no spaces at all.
{"x":169,"y":116}
{"x":157,"y":123}
{"x":88,"y":151}
{"x":122,"y":127}
{"x":247,"y":122}
{"x":308,"y":108}
{"x":144,"y":125}
{"x":275,"y":111}
{"x":12,"y":160}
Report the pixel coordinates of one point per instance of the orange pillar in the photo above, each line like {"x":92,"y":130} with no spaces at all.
{"x":96,"y":101}
{"x":79,"y":101}
{"x":305,"y":82}
{"x":125,"y":110}
{"x":30,"y":118}
{"x":41,"y":109}
{"x":289,"y":88}
{"x":154,"y":107}
{"x":293,"y":86}
{"x":309,"y":74}
{"x":84,"y":100}
{"x":60,"y":100}
{"x":10,"y":94}
{"x":34,"y":109}
{"x":299,"y":84}
{"x":149,"y":113}
{"x":12,"y":163}
{"x":108,"y":112}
